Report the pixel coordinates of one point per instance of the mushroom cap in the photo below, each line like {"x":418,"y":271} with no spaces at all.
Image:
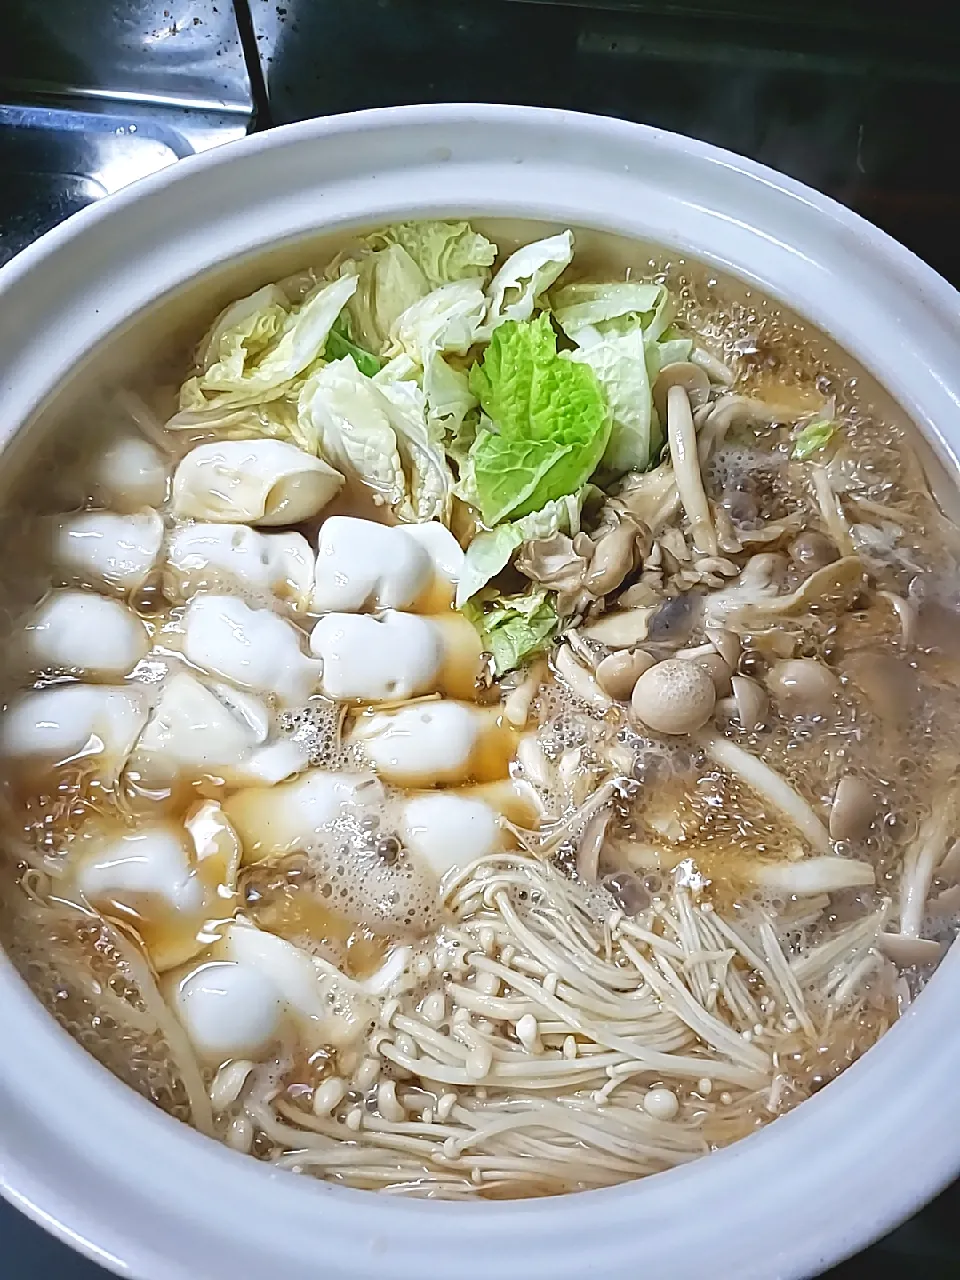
{"x":853,"y":810}
{"x":681,"y":373}
{"x":803,"y":684}
{"x":675,"y":696}
{"x":751,"y":701}
{"x":619,"y":672}
{"x":812,"y":550}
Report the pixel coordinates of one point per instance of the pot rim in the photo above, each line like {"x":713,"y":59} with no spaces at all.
{"x":113,"y":1176}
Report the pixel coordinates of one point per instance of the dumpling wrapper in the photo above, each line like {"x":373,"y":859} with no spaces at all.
{"x":376,"y":659}
{"x":65,"y":722}
{"x":364,"y":566}
{"x":261,"y":482}
{"x":235,"y":558}
{"x":396,"y":656}
{"x":254,"y":649}
{"x":105,"y":550}
{"x":196,"y":732}
{"x":274,"y":821}
{"x":129,"y":475}
{"x":83,"y":634}
{"x":233,"y":1004}
{"x":172,"y":880}
{"x":438,"y":743}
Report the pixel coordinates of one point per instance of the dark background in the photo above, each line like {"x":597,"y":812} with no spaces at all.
{"x":857,"y":100}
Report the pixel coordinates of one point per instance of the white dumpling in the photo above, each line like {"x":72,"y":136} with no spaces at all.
{"x":396,"y":656}
{"x":362,"y":565}
{"x":228,"y":1010}
{"x":331,"y":1008}
{"x":435,"y":743}
{"x":445,"y":829}
{"x":235,"y":558}
{"x":177,"y":880}
{"x":196,"y":731}
{"x":130,"y":474}
{"x":253,"y":648}
{"x":86,"y":634}
{"x":441,"y":546}
{"x":67,"y":721}
{"x":151,"y":863}
{"x":103,"y":549}
{"x":265,"y":482}
{"x":274,"y":821}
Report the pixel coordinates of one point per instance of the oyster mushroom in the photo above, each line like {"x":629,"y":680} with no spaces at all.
{"x":614,"y":557}
{"x":907,"y":952}
{"x":621,"y":630}
{"x":555,"y":562}
{"x":727,"y":644}
{"x":673,"y":621}
{"x":581,"y":681}
{"x":715,"y":369}
{"x":716,"y":668}
{"x":650,"y":497}
{"x":754,"y":594}
{"x":674,"y":697}
{"x":691,"y":377}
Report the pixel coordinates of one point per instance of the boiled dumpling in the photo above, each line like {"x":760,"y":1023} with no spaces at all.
{"x":103,"y":549}
{"x":441,"y":546}
{"x":130,"y":474}
{"x":228,"y":1010}
{"x":396,"y":656}
{"x":152,"y":862}
{"x":264,"y":482}
{"x":253,"y":648}
{"x":236,"y":558}
{"x":435,"y":743}
{"x":446,"y":830}
{"x":67,"y":721}
{"x":85,"y":634}
{"x":362,"y":565}
{"x":274,"y":821}
{"x":330,"y":1008}
{"x":233,"y":1004}
{"x":172,"y":879}
{"x":196,"y":732}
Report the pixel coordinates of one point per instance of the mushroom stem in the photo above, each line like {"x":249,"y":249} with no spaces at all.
{"x":919,"y":864}
{"x":590,"y":845}
{"x":768,"y":784}
{"x":812,"y":876}
{"x":715,"y":369}
{"x":686,"y":466}
{"x":832,"y":512}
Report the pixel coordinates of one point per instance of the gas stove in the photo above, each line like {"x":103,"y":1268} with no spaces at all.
{"x":852,"y":98}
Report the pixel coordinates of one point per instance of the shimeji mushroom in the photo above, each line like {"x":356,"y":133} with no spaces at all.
{"x":682,"y":438}
{"x":675,"y":697}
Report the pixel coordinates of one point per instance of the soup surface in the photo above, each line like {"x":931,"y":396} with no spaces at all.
{"x":497,"y":733}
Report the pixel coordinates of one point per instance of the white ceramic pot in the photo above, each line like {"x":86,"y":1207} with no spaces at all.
{"x":149,"y":1198}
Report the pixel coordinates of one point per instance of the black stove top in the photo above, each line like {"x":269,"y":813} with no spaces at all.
{"x":851,"y":97}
